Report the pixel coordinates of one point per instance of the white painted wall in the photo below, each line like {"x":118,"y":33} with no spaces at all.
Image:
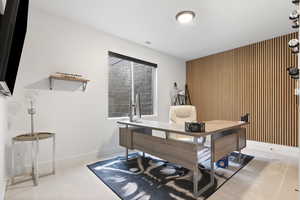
{"x":2,"y":6}
{"x":3,"y":143}
{"x":79,"y":119}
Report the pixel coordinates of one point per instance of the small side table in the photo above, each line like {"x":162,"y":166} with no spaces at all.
{"x":34,"y":138}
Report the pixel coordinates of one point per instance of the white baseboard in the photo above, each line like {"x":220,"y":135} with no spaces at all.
{"x":273,"y":148}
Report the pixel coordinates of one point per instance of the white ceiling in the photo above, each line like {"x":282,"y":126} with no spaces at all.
{"x":219,"y":24}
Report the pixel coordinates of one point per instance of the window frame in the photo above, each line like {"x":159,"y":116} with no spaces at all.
{"x":154,"y":86}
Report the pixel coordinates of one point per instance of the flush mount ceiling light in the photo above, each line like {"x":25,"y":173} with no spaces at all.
{"x":185,"y":17}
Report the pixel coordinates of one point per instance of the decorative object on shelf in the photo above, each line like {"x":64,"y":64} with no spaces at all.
{"x":293,"y":72}
{"x":294,"y":16}
{"x":294,"y":45}
{"x":68,"y":77}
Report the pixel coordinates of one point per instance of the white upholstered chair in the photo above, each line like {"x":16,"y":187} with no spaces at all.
{"x":179,"y":115}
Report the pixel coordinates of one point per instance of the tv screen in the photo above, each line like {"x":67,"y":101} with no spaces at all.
{"x":13,"y":27}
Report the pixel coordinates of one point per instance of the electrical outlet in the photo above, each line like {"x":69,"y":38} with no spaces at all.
{"x":297,"y":91}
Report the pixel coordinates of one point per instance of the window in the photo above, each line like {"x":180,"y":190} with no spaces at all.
{"x":127,"y":77}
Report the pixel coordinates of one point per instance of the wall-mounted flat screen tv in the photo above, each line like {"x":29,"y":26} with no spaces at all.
{"x":13,"y":27}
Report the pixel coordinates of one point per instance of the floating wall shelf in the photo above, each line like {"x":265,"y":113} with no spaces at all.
{"x":68,"y":78}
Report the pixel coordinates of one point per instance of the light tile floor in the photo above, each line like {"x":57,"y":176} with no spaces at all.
{"x":269,"y":176}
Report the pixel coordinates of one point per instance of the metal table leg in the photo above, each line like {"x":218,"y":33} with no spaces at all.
{"x":195,"y":180}
{"x":240,"y":157}
{"x":13,"y":162}
{"x":197,"y":192}
{"x":53,"y":153}
{"x":33,"y":155}
{"x":210,"y":184}
{"x":126,"y":151}
{"x":126,"y":154}
{"x":36,"y":172}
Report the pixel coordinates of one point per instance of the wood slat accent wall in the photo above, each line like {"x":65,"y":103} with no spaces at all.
{"x":250,"y":79}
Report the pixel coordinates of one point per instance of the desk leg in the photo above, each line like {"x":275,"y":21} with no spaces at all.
{"x":212,"y":175}
{"x":196,"y":170}
{"x":240,"y":157}
{"x":196,"y":180}
{"x":126,"y":154}
{"x":126,"y":151}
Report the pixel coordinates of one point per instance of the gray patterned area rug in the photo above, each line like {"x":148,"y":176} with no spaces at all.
{"x":151,"y":178}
